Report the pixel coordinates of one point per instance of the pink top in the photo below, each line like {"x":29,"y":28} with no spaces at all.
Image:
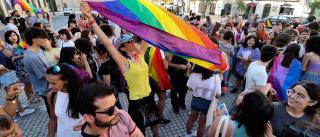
{"x":124,"y":128}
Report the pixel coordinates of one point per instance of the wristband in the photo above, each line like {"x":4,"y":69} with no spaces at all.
{"x":91,"y":22}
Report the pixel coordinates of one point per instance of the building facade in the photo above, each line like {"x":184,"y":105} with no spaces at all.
{"x":262,"y":8}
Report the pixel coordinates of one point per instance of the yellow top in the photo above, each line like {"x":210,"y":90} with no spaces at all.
{"x":137,"y":78}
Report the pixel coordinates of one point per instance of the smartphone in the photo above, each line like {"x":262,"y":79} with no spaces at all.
{"x":224,"y":107}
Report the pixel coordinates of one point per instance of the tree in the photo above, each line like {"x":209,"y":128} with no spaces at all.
{"x":206,"y":3}
{"x":315,"y":4}
{"x":241,"y":5}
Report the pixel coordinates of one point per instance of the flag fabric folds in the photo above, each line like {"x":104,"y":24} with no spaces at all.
{"x":27,"y":6}
{"x":157,"y":70}
{"x":162,"y":29}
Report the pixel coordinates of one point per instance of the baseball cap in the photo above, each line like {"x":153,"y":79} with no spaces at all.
{"x":124,"y":38}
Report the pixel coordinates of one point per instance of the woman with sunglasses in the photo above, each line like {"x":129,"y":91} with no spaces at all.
{"x":135,"y":70}
{"x":303,"y":100}
{"x":64,"y":83}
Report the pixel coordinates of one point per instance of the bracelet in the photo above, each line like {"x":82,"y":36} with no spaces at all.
{"x":12,"y":98}
{"x":92,"y":22}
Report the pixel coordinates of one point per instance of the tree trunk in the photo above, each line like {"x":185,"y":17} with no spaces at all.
{"x":204,"y":9}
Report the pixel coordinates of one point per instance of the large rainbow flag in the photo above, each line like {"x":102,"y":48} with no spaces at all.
{"x":282,"y":78}
{"x":157,"y":70}
{"x":27,"y":6}
{"x":162,"y":29}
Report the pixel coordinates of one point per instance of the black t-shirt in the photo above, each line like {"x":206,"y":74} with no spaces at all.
{"x":5,"y":61}
{"x":110,"y":68}
{"x":177,"y":60}
{"x":21,"y":24}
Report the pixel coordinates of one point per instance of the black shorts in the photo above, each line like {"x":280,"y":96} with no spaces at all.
{"x":144,"y":112}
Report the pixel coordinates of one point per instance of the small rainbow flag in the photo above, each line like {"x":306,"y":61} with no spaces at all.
{"x":27,"y":6}
{"x":162,"y":29}
{"x":23,"y":45}
{"x":157,"y":70}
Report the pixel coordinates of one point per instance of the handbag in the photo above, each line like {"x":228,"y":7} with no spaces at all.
{"x":301,"y":129}
{"x":214,"y":101}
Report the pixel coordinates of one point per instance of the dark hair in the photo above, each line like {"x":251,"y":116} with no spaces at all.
{"x":101,"y":49}
{"x":216,"y":28}
{"x":108,"y":30}
{"x":66,"y":32}
{"x":88,"y":94}
{"x":313,"y":33}
{"x":311,"y":19}
{"x":6,"y":123}
{"x":214,"y":40}
{"x":8,"y":34}
{"x":71,"y":21}
{"x":37,"y":24}
{"x":305,"y":30}
{"x":27,"y":11}
{"x":282,"y":40}
{"x":205,"y":73}
{"x":314,"y":26}
{"x":33,"y":33}
{"x":73,"y":85}
{"x":314,"y":94}
{"x":228,"y":24}
{"x":84,"y":45}
{"x":256,"y":42}
{"x":268,"y":53}
{"x":74,"y":30}
{"x":67,"y":54}
{"x":312,"y":44}
{"x":51,"y":38}
{"x":292,"y":31}
{"x":7,"y":19}
{"x":85,"y":34}
{"x":292,"y":52}
{"x":245,"y":30}
{"x":47,"y":15}
{"x":228,"y":35}
{"x":72,"y":17}
{"x":247,"y":24}
{"x":235,"y":24}
{"x":254,"y":113}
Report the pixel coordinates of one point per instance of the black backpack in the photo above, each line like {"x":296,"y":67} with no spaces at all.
{"x":301,"y":129}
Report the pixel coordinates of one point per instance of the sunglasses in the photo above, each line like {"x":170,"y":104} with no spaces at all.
{"x":109,"y":111}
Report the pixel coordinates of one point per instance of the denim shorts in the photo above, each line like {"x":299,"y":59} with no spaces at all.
{"x":8,"y":78}
{"x":200,"y":104}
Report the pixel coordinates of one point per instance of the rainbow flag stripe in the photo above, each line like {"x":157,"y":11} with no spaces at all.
{"x":27,"y":6}
{"x":23,"y":45}
{"x":157,"y":70}
{"x":160,"y":28}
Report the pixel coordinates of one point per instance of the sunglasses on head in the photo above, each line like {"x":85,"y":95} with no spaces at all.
{"x":110,"y":110}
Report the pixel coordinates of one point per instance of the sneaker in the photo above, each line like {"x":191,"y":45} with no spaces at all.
{"x":164,"y":121}
{"x":183,"y":106}
{"x":26,"y":112}
{"x":192,"y":134}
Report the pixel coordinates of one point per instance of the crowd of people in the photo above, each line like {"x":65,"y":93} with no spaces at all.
{"x":79,"y":71}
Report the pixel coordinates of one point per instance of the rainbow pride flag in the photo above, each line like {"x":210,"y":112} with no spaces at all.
{"x":27,"y":6}
{"x":157,"y":70}
{"x":23,"y":45}
{"x":282,"y":78}
{"x":162,"y":29}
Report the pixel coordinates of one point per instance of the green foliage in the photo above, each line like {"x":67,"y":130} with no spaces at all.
{"x":241,"y":5}
{"x":315,"y":4}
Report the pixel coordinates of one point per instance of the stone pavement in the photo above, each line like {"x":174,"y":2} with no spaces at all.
{"x":35,"y":125}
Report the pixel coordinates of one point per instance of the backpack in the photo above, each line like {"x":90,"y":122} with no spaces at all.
{"x":301,"y":129}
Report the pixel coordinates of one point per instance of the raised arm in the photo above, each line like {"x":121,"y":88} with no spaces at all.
{"x":115,"y":54}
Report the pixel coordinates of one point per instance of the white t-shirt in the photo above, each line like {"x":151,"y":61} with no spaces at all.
{"x":256,"y":76}
{"x":62,"y":44}
{"x":202,"y":88}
